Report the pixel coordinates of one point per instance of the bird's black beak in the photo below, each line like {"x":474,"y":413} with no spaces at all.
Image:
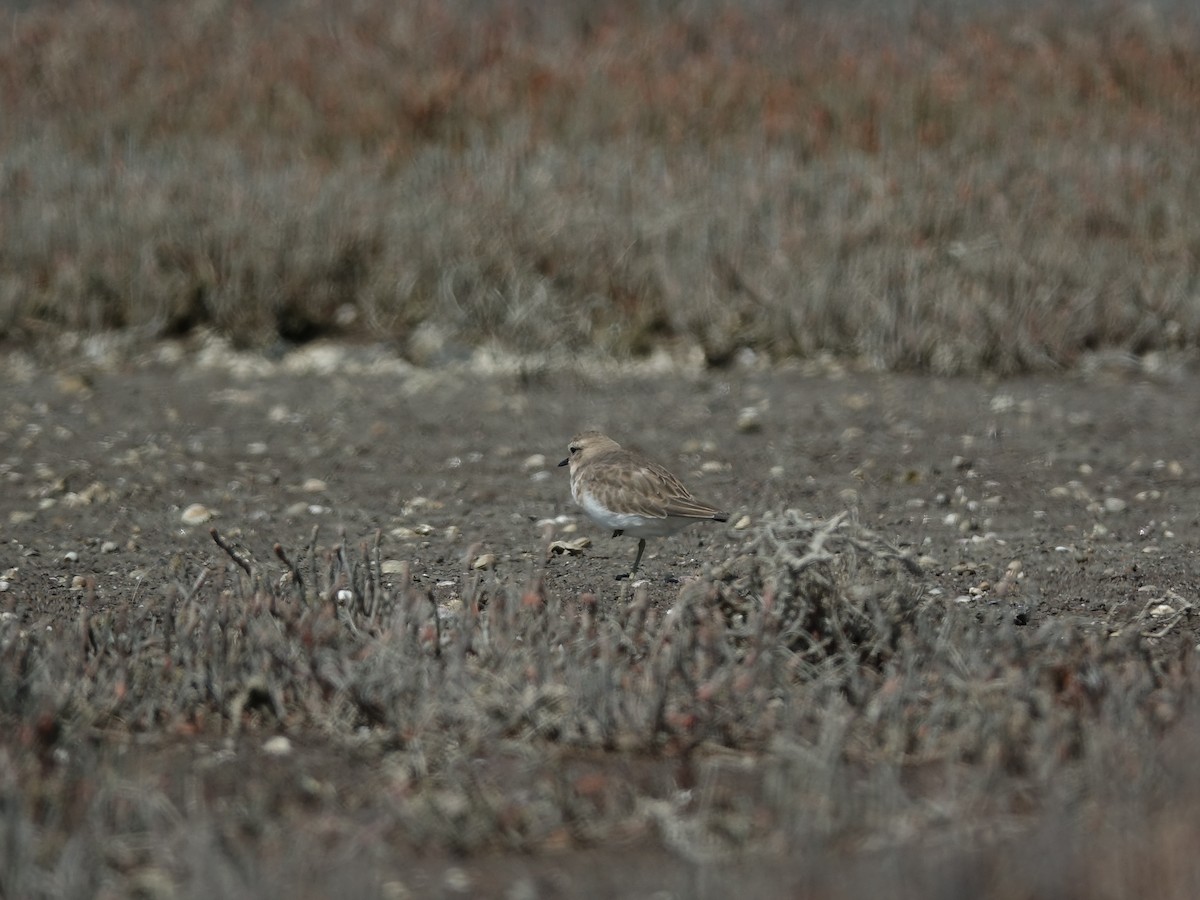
{"x":564,"y":462}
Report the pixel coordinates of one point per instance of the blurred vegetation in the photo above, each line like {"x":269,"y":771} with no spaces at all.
{"x":952,"y":188}
{"x":519,"y":720}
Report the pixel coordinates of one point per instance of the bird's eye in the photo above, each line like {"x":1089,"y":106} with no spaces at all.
{"x":573,"y":450}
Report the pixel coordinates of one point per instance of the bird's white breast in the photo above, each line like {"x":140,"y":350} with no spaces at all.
{"x":632,"y":524}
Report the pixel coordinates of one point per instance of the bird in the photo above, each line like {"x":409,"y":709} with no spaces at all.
{"x":623,"y":490}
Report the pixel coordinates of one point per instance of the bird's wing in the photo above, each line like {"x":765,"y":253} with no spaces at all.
{"x":647,"y":489}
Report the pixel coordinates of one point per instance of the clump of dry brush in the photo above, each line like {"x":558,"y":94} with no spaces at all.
{"x":832,"y":588}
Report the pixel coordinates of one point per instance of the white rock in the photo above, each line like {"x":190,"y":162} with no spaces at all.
{"x":196,"y":514}
{"x":749,"y":420}
{"x":457,"y":880}
{"x":1002,"y":403}
{"x":277,"y":746}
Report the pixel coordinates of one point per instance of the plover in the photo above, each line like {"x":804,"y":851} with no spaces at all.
{"x":625,"y":491}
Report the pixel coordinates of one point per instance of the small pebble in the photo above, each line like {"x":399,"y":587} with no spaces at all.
{"x":277,"y":746}
{"x":196,"y":514}
{"x":457,"y":880}
{"x":395,"y":890}
{"x":749,"y":420}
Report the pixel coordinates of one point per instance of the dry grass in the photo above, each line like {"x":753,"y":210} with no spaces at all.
{"x":962,"y":191}
{"x":517,"y":720}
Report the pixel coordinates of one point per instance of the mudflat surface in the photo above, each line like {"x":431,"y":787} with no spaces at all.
{"x":1092,"y":486}
{"x":1030,"y":499}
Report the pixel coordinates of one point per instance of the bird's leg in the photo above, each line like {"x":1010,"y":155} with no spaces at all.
{"x":637,"y":559}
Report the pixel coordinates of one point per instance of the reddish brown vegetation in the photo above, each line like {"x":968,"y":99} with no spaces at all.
{"x":965,"y":191}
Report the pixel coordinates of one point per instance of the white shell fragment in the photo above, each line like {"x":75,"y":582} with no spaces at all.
{"x":571,"y":548}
